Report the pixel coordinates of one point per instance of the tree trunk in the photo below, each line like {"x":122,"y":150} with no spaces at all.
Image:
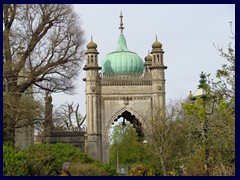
{"x":9,"y":134}
{"x":163,"y":163}
{"x":9,"y":126}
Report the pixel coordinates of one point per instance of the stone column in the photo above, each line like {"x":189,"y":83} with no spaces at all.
{"x":93,"y":109}
{"x":48,"y":117}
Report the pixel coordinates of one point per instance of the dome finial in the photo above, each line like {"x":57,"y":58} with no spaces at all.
{"x":121,"y":22}
{"x":156,"y":44}
{"x":92,"y":45}
{"x":148,"y":57}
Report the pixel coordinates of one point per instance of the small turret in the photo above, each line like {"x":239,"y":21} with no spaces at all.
{"x":157,"y":54}
{"x":148,"y":62}
{"x":92,"y":56}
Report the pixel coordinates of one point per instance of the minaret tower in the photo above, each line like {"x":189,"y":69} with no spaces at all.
{"x":158,"y":78}
{"x":93,"y":140}
{"x":48,"y":124}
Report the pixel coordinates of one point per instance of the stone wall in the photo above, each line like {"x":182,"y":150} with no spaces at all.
{"x":76,"y":138}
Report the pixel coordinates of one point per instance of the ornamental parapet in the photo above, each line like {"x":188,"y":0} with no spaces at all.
{"x":64,"y":129}
{"x":67,"y":134}
{"x":109,"y":79}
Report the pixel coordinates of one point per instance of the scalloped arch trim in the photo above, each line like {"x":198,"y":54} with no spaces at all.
{"x":115,"y":116}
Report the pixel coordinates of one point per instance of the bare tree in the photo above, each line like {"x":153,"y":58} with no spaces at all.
{"x":42,"y":44}
{"x":67,"y":114}
{"x":157,"y":131}
{"x":166,"y":137}
{"x":174,"y":109}
{"x":50,"y":41}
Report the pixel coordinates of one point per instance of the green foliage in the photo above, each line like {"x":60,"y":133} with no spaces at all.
{"x":96,"y":168}
{"x":47,"y":160}
{"x":197,"y":108}
{"x":218,"y":134}
{"x":19,"y":113}
{"x":180,"y":145}
{"x":14,"y":163}
{"x":126,"y":144}
{"x":195,"y":163}
{"x":109,"y":170}
{"x":86,"y":169}
{"x":224,"y":86}
{"x":138,"y":170}
{"x":218,"y":137}
{"x":169,"y":145}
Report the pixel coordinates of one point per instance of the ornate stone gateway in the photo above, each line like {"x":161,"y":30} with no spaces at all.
{"x":125,"y":87}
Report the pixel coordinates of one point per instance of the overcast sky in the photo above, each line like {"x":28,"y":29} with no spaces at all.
{"x":187,"y":33}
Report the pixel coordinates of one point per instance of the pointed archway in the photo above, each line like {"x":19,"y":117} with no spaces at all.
{"x":132,"y":119}
{"x":128,"y":114}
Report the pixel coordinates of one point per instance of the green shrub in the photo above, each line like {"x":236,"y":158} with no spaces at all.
{"x":195,"y":163}
{"x":86,"y":169}
{"x":13,"y":162}
{"x":47,"y":160}
{"x":110,"y":170}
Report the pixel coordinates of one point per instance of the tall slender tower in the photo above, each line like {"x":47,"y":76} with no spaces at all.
{"x":48,"y":115}
{"x":158,"y":78}
{"x":94,"y":139}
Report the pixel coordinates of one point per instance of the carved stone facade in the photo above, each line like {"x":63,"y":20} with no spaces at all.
{"x":130,"y":95}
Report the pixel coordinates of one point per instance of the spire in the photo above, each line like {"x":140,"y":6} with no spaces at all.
{"x":156,"y":38}
{"x":91,"y":38}
{"x":121,"y":22}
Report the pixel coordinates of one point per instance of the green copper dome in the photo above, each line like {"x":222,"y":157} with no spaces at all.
{"x":122,"y":61}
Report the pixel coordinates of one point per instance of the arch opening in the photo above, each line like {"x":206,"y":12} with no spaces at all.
{"x":127,"y":116}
